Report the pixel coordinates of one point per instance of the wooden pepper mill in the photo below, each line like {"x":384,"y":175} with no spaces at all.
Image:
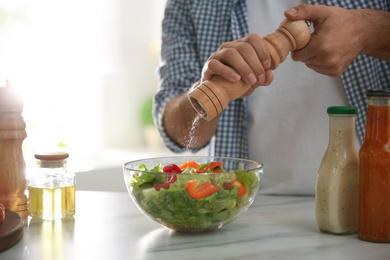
{"x":211,"y":97}
{"x":12,"y":165}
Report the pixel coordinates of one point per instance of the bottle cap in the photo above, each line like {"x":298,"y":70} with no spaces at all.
{"x":342,"y":110}
{"x":378,"y":93}
{"x":51,"y":159}
{"x":52,"y":156}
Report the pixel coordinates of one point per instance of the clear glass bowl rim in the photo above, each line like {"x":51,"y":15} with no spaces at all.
{"x":192,"y":158}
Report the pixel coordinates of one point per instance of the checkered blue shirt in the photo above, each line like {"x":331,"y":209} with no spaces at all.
{"x":194,"y":29}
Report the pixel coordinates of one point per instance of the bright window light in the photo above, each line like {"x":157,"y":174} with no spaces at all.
{"x":51,"y":51}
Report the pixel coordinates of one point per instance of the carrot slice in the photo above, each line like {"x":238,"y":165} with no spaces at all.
{"x":201,"y":191}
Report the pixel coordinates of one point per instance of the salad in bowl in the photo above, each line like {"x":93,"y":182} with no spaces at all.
{"x":193,"y":195}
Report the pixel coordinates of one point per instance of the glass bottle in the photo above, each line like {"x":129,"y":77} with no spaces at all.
{"x":51,"y":188}
{"x":374,"y":193}
{"x":337,"y":186}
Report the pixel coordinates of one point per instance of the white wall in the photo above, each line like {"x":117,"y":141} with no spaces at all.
{"x":130,"y":73}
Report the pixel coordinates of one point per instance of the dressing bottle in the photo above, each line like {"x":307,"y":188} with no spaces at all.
{"x":51,"y":188}
{"x":337,"y":186}
{"x":374,"y":191}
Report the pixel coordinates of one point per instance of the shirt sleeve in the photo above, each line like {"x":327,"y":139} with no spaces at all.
{"x":179,"y":65}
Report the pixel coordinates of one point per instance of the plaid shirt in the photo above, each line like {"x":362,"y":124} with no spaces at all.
{"x":194,"y":29}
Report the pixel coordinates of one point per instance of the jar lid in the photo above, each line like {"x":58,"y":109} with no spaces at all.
{"x":52,"y":156}
{"x":378,"y":93}
{"x":342,"y":110}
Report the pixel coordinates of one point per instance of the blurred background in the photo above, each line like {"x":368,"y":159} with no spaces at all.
{"x":86,"y":70}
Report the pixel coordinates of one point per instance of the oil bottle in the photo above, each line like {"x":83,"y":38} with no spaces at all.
{"x":51,"y":188}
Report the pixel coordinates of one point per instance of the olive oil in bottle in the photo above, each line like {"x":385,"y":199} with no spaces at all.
{"x":51,"y":188}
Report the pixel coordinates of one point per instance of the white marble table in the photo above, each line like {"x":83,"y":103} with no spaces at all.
{"x":107,"y":225}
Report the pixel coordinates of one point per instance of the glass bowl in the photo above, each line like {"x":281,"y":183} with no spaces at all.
{"x":194,"y":200}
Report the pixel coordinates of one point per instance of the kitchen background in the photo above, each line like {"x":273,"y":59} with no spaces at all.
{"x":86,"y":70}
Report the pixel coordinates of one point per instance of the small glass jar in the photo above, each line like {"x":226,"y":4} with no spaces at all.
{"x":337,"y":186}
{"x":374,"y":187}
{"x":51,"y":188}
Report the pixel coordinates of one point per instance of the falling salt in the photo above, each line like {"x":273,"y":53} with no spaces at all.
{"x":191,"y":136}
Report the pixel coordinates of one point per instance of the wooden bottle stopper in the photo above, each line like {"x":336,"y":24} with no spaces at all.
{"x":211,"y":97}
{"x":12,"y":165}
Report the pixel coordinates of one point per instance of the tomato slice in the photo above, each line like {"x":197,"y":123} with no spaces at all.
{"x":159,"y":186}
{"x":172,"y":168}
{"x":241,"y":191}
{"x":169,"y":178}
{"x":201,"y":191}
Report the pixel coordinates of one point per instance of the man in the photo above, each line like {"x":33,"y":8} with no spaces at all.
{"x":284,"y":122}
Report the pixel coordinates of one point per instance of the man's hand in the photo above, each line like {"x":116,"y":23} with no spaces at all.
{"x":246,"y":58}
{"x":336,"y":40}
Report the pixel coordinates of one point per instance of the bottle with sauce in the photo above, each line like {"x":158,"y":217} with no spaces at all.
{"x":374,"y":192}
{"x":337,"y":186}
{"x":51,"y":188}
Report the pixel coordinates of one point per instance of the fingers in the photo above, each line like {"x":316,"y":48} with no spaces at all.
{"x":332,"y":69}
{"x":269,"y":76}
{"x":314,"y":13}
{"x":215,"y":67}
{"x":306,"y":53}
{"x":321,"y":60}
{"x":246,"y":59}
{"x":243,"y":59}
{"x":261,"y":49}
{"x":318,"y":63}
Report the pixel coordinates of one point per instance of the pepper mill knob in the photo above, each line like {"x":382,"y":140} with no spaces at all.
{"x":12,"y":165}
{"x":211,"y":97}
